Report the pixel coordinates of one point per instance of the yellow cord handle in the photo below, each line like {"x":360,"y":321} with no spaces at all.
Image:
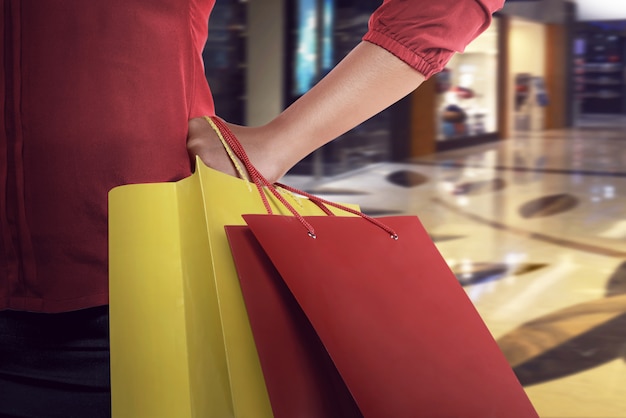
{"x":242,"y":174}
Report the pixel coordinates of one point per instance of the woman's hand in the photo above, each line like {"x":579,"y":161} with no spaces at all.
{"x":202,"y":141}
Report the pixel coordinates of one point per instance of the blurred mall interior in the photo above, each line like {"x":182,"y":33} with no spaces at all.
{"x":514,"y":158}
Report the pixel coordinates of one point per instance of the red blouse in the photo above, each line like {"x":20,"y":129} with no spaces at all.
{"x":96,"y":94}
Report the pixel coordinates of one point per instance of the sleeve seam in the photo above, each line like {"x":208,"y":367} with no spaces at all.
{"x":412,"y":58}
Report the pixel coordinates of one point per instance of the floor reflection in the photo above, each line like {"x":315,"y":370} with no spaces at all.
{"x":548,"y":205}
{"x":617,"y":281}
{"x":567,"y":342}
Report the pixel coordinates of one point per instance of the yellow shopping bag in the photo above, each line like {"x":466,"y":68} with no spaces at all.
{"x":181,"y":344}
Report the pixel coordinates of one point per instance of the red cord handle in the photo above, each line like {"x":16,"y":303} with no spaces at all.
{"x":260,"y":181}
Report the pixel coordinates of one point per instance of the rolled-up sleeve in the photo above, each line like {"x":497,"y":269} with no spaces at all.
{"x":427,"y":33}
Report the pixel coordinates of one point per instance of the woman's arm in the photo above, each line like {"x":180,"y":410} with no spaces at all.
{"x":366,"y":82}
{"x":421,"y":35}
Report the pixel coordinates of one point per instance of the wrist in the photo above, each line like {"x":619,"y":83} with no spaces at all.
{"x":274,"y":150}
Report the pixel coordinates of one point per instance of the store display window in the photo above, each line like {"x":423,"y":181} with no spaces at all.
{"x":599,"y":61}
{"x":467,"y":90}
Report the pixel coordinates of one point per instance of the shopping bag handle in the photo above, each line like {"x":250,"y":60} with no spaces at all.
{"x":235,"y":149}
{"x":248,"y":175}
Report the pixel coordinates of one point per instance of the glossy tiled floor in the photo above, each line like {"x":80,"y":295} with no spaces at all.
{"x":535,"y":229}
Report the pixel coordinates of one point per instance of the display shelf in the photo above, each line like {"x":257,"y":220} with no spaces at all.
{"x":606,"y":67}
{"x":602,"y":82}
{"x":602,"y":95}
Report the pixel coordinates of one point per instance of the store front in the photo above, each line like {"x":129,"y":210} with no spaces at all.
{"x":467,"y":94}
{"x":513,"y":78}
{"x":600,"y":67}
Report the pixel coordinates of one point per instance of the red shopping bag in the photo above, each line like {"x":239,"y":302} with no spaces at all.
{"x":399,"y":328}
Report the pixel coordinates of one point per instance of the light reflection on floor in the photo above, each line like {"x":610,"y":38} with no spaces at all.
{"x":535,"y":229}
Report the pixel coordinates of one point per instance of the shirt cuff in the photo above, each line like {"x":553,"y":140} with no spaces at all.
{"x":413,"y":59}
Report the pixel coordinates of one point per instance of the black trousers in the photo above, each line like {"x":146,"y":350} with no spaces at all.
{"x":55,"y":365}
